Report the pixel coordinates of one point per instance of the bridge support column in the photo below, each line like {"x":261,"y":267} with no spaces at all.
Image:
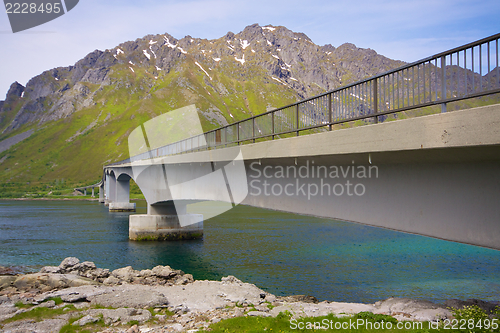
{"x":163,"y":222}
{"x":122,"y":196}
{"x":101,"y":193}
{"x":110,"y":189}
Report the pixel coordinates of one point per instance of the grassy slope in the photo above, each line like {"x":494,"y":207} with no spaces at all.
{"x":73,"y":150}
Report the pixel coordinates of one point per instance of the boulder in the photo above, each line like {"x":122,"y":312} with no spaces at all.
{"x":69,"y":262}
{"x":231,"y":279}
{"x":7,"y":281}
{"x":488,"y":307}
{"x":125,"y":274}
{"x":111,"y":281}
{"x":183,"y":279}
{"x":410,"y":308}
{"x":50,"y":281}
{"x":51,"y":269}
{"x":129,"y":296}
{"x":165,"y":272}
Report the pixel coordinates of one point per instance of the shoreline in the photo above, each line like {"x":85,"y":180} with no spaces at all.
{"x":163,"y":299}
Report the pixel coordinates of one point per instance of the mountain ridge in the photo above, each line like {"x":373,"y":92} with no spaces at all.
{"x":85,"y":112}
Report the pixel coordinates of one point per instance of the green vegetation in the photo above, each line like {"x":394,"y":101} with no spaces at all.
{"x":88,"y":328}
{"x":41,"y":313}
{"x":466,"y":320}
{"x":361,"y":322}
{"x":284,"y":322}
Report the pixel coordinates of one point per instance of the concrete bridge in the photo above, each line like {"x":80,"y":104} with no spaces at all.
{"x":435,"y":175}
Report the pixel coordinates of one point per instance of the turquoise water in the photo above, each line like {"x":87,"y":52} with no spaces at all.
{"x":279,"y":252}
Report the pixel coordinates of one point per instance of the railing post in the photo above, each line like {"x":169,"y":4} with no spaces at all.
{"x":330,"y":112}
{"x":297,"y":117}
{"x":272,"y":124}
{"x":375,"y":100}
{"x":443,"y":83}
{"x":238,"y":133}
{"x":253,"y":129}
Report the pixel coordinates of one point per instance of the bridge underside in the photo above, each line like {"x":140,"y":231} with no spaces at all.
{"x":451,"y":200}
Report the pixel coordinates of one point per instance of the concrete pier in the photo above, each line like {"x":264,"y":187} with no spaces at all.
{"x":163,"y":222}
{"x":101,"y":193}
{"x":121,"y":207}
{"x":118,"y":193}
{"x":164,"y":227}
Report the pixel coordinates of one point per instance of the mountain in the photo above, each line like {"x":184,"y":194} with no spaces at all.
{"x":81,"y":115}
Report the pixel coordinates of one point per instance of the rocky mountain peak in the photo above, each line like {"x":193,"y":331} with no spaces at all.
{"x":15,"y":91}
{"x":271,"y":55}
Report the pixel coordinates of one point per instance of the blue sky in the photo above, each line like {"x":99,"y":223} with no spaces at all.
{"x":406,"y":30}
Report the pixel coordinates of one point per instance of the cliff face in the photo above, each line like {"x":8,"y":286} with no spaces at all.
{"x":85,"y":112}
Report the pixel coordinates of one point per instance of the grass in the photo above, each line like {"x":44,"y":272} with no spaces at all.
{"x":88,"y":328}
{"x":330,"y":323}
{"x":285,"y":322}
{"x":361,"y":322}
{"x":41,"y":313}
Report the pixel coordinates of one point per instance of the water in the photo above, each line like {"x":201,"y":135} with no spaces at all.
{"x":282,"y":253}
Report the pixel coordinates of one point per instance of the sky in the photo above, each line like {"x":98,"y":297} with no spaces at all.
{"x":406,"y":30}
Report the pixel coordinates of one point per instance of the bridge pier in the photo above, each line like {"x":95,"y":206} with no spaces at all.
{"x":119,"y":199}
{"x":164,"y":222}
{"x":101,"y":193}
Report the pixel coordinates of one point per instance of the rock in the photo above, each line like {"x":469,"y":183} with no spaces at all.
{"x":111,"y":281}
{"x":258,"y":314}
{"x":125,"y":274}
{"x":7,"y":271}
{"x":146,"y":273}
{"x":176,"y":327}
{"x":100,"y":273}
{"x":124,"y":315}
{"x":86,"y":320}
{"x":416,"y":309}
{"x":48,"y":304}
{"x":133,"y":329}
{"x":230,"y":279}
{"x":270,"y":298}
{"x":161,"y":318}
{"x":135,"y":296}
{"x":51,"y":269}
{"x":181,"y":309}
{"x":7,"y":281}
{"x":51,"y":281}
{"x":47,"y":325}
{"x":164,"y":272}
{"x":300,"y":298}
{"x":74,"y":298}
{"x":83,"y":268}
{"x":488,"y":307}
{"x":183,"y":279}
{"x":68,"y":263}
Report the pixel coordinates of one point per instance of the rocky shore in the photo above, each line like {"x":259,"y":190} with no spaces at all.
{"x":164,"y":300}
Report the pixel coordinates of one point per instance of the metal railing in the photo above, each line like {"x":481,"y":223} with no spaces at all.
{"x":465,"y":72}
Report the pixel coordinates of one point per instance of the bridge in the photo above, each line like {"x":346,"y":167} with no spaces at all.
{"x":401,"y":150}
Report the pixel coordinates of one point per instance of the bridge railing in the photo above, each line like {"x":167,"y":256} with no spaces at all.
{"x":464,"y":72}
